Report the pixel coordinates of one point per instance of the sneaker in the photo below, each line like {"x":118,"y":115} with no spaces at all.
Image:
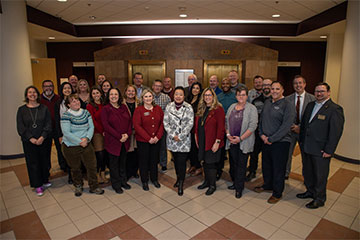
{"x":78,"y":191}
{"x":164,"y":169}
{"x":47,"y":185}
{"x":39,"y":191}
{"x":97,"y":191}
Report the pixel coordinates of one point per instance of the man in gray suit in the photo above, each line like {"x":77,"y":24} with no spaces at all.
{"x":300,"y":99}
{"x":320,"y":131}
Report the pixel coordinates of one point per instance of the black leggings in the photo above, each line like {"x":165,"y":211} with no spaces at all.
{"x":180,"y":164}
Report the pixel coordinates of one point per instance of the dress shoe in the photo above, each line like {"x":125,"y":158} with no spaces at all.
{"x":181,"y":188}
{"x":125,"y":186}
{"x":156,"y":184}
{"x":176,"y":184}
{"x":191,"y":170}
{"x":218,"y":175}
{"x":273,"y":200}
{"x":210,"y":190}
{"x":231,"y":187}
{"x":238,"y":194}
{"x":261,"y":189}
{"x":119,"y":191}
{"x":250,"y":176}
{"x":286,"y":177}
{"x":315,"y":204}
{"x":304,"y":195}
{"x":197,"y":172}
{"x":145,"y":186}
{"x":204,"y":185}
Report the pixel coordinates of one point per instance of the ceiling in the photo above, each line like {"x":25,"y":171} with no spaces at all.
{"x":92,"y":12}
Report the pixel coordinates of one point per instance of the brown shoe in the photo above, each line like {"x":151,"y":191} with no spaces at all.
{"x":273,"y":200}
{"x":191,"y":170}
{"x":198,"y":172}
{"x":259,"y":189}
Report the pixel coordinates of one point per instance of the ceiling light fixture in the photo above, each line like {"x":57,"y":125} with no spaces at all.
{"x":92,"y":17}
{"x":51,"y":38}
{"x":323,"y":36}
{"x":62,"y":0}
{"x":183,"y":15}
{"x":276,"y":15}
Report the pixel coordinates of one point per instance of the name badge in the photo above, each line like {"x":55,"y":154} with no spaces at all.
{"x":321,"y":117}
{"x":276,"y":107}
{"x":146,"y":114}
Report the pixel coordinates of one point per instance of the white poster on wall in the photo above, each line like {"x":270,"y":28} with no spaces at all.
{"x":181,"y":76}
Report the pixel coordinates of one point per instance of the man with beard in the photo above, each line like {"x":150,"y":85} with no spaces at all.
{"x":73,"y":80}
{"x":257,"y":90}
{"x":100,"y":79}
{"x":49,"y":98}
{"x":138,"y":82}
{"x":213,"y":83}
{"x":168,"y":88}
{"x":259,"y":104}
{"x":300,"y":99}
{"x":191,"y":79}
{"x":233,"y":77}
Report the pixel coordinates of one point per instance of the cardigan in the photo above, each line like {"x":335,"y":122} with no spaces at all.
{"x":214,"y":128}
{"x":249,"y":122}
{"x":50,"y":103}
{"x":96,"y":116}
{"x":116,"y":121}
{"x":178,"y":123}
{"x":76,"y":126}
{"x":148,"y":123}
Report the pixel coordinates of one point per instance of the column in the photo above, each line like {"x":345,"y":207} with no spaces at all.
{"x":15,"y":73}
{"x":349,"y":85}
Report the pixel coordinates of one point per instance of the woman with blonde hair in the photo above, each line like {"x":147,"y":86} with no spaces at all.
{"x":131,"y":102}
{"x":209,"y":136}
{"x":83,"y":91}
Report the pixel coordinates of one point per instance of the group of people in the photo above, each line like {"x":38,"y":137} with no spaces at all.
{"x":131,"y":132}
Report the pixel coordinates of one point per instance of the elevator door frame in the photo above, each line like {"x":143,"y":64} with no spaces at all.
{"x":145,"y":62}
{"x":237,"y":62}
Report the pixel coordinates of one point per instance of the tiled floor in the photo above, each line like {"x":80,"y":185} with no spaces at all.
{"x":162,"y":214}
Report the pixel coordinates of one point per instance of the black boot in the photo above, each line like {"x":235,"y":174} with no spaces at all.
{"x":205,"y":184}
{"x":180,"y":188}
{"x":177,"y":182}
{"x":212,"y":181}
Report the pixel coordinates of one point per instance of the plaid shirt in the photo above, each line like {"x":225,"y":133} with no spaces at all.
{"x":162,"y":100}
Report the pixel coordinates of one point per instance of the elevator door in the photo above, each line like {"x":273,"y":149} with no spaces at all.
{"x":150,"y":71}
{"x":221,"y":69}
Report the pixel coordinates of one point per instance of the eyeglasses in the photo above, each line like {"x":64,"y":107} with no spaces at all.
{"x":207,"y":95}
{"x":48,"y":86}
{"x":320,"y":91}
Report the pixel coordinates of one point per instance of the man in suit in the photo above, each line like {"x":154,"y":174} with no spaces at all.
{"x":191,"y":79}
{"x":300,"y":99}
{"x":320,"y":131}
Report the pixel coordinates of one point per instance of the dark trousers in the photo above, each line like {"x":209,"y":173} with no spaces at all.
{"x":254,"y":156}
{"x":221,"y":163}
{"x":239,"y":160}
{"x":38,"y":162}
{"x":180,"y":164}
{"x":210,"y":170}
{"x":163,"y":151}
{"x":148,"y":160}
{"x":194,"y":153}
{"x":61,"y":160}
{"x":132,"y":163}
{"x":100,"y":160}
{"x":75,"y":156}
{"x":274,"y":158}
{"x":316,"y":172}
{"x":117,"y":166}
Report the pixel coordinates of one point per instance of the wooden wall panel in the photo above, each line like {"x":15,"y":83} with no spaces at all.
{"x":267,"y":69}
{"x":43,"y":69}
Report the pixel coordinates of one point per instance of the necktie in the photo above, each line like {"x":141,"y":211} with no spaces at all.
{"x":298,"y":110}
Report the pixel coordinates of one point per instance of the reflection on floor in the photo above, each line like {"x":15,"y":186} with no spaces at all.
{"x":162,"y":214}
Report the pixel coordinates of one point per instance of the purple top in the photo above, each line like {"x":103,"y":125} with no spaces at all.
{"x":235,"y":122}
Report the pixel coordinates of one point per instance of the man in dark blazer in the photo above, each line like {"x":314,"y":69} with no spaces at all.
{"x":320,"y":131}
{"x":300,"y":99}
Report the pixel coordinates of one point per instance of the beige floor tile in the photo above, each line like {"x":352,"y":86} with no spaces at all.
{"x":49,"y":211}
{"x":261,"y":228}
{"x":100,"y":204}
{"x":192,"y":192}
{"x":297,"y":228}
{"x":191,"y":227}
{"x":10,"y":186}
{"x":4,"y":164}
{"x":44,"y":201}
{"x":119,"y":198}
{"x":283,"y":235}
{"x":172,"y":233}
{"x":148,"y":198}
{"x":55,"y":221}
{"x":3,"y":215}
{"x":163,"y":192}
{"x":20,"y":209}
{"x":142,"y":215}
{"x":356,"y":224}
{"x":331,"y":195}
{"x":235,"y":202}
{"x":284,"y":208}
{"x":205,"y":201}
{"x":339,"y":218}
{"x":8,"y":178}
{"x":176,"y":200}
{"x":320,"y":212}
{"x":110,"y":214}
{"x":175,"y":216}
{"x":354,"y":202}
{"x":64,"y":232}
{"x":207,"y":217}
{"x":252,"y":209}
{"x":79,"y":212}
{"x":221,"y":208}
{"x":8,"y":235}
{"x":136,"y":192}
{"x":156,"y":226}
{"x":240,"y":217}
{"x":72,"y":203}
{"x":63,"y":196}
{"x":18,"y":192}
{"x":88,"y":223}
{"x":130,"y":206}
{"x":346,"y":209}
{"x":191,"y":207}
{"x":19,"y":161}
{"x":273,"y":218}
{"x":306,"y":218}
{"x":13,"y":202}
{"x":89,"y":197}
{"x":160,"y":207}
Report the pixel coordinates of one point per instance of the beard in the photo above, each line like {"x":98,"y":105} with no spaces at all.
{"x":266,"y":91}
{"x":48,"y":93}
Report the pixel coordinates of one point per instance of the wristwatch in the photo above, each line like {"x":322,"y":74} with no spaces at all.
{"x":218,"y":141}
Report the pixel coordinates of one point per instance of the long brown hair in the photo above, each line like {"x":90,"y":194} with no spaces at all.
{"x":202,"y":105}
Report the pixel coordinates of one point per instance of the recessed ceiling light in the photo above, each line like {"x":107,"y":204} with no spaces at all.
{"x":276,"y":15}
{"x":51,"y":38}
{"x":92,"y":17}
{"x":323,"y":36}
{"x":183,"y":15}
{"x":62,"y":0}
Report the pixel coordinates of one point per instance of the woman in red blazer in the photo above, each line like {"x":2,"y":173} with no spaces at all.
{"x":209,"y":135}
{"x":149,"y":128}
{"x":116,"y":121}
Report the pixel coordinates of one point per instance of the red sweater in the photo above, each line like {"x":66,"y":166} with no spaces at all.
{"x":51,"y":105}
{"x":148,"y":123}
{"x":214,"y":127}
{"x":96,"y":117}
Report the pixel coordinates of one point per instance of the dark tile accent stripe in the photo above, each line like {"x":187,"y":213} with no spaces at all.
{"x":341,"y":179}
{"x":329,"y":230}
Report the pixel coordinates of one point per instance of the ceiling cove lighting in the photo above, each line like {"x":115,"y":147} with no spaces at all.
{"x":51,"y":38}
{"x":275,"y":15}
{"x":323,"y":36}
{"x":183,"y":15}
{"x":62,"y":0}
